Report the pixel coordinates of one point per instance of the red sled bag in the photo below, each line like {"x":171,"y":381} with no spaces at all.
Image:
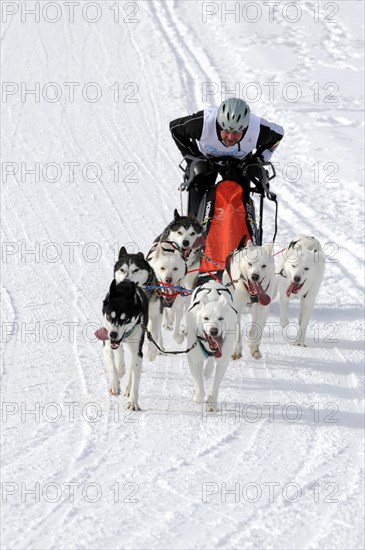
{"x":231,"y":222}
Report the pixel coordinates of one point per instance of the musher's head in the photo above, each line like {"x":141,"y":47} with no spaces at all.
{"x":232,"y":118}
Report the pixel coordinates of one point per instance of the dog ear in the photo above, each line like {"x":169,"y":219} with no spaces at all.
{"x":140,"y":255}
{"x":192,"y":217}
{"x":158,"y":250}
{"x":249,"y":243}
{"x":221,"y":299}
{"x":122,"y":252}
{"x":176,"y":215}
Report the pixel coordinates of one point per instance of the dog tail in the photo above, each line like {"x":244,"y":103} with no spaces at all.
{"x":208,"y":369}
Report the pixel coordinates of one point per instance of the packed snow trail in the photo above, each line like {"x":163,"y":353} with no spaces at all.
{"x":280,"y":465}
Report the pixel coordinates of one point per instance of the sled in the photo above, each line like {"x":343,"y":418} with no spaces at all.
{"x":228,"y":212}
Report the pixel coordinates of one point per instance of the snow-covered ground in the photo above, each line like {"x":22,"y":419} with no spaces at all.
{"x":280,"y":466}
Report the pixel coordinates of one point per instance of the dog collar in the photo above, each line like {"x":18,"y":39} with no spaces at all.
{"x":205,"y":352}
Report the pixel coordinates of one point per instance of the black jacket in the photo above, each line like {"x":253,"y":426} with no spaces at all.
{"x":187,"y":129}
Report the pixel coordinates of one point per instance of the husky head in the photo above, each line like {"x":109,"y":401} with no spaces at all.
{"x":169,"y":267}
{"x":257,"y":268}
{"x":212,"y":306}
{"x":299,"y":265}
{"x":186,"y":232}
{"x":133,"y":267}
{"x":122,"y":309}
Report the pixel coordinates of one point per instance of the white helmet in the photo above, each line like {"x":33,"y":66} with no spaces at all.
{"x":233,"y":114}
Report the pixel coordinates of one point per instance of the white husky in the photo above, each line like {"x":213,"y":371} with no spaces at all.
{"x":170,"y":268}
{"x":211,"y":320}
{"x":300,"y":273}
{"x":252,"y":276}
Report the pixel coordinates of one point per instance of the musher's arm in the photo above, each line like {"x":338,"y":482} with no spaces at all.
{"x":185,"y":131}
{"x":269,"y":138}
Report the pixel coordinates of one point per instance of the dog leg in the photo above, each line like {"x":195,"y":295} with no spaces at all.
{"x":154,"y":327}
{"x":259,"y":317}
{"x":305,"y":313}
{"x":284,"y":304}
{"x":220,"y":370}
{"x":135,"y":369}
{"x":237,"y":350}
{"x":119,"y":355}
{"x":114,"y":386}
{"x":196,"y":370}
{"x":168,"y":319}
{"x":127,"y":390}
{"x":178,"y":310}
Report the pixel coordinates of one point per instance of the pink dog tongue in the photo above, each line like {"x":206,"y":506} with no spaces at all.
{"x":263,"y":298}
{"x":199,"y":242}
{"x":293,"y":288}
{"x":216,"y":344}
{"x":102,"y":334}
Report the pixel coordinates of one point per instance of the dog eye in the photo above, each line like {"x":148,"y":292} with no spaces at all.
{"x":175,"y":269}
{"x":220,"y":318}
{"x":249,"y":264}
{"x":193,"y":233}
{"x":179,"y":232}
{"x":205,"y":318}
{"x":306,"y":269}
{"x":163,"y":268}
{"x":135,"y":270}
{"x":263,"y":265}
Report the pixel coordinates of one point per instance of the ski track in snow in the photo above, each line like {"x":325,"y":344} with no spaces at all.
{"x":170,"y":448}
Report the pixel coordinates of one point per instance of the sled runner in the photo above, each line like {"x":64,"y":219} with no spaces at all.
{"x":227,"y":211}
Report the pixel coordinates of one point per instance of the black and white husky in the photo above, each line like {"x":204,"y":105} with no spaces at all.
{"x":125,"y":315}
{"x":187,"y":233}
{"x":134,"y":267}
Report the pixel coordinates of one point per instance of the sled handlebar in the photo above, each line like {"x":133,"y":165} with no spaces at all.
{"x":204,"y":165}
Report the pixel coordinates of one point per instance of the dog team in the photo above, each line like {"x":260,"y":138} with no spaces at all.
{"x":148,"y":294}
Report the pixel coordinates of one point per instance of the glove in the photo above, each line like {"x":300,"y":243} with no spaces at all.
{"x":254,"y":159}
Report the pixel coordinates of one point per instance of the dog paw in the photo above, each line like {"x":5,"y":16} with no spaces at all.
{"x":198,"y":398}
{"x":133,"y":406}
{"x":151,"y":354}
{"x":256,"y":353}
{"x":127,"y":391}
{"x":299,"y":343}
{"x":167,"y":325}
{"x":179,"y":338}
{"x":114,"y":389}
{"x":211,"y":407}
{"x":236,"y":355}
